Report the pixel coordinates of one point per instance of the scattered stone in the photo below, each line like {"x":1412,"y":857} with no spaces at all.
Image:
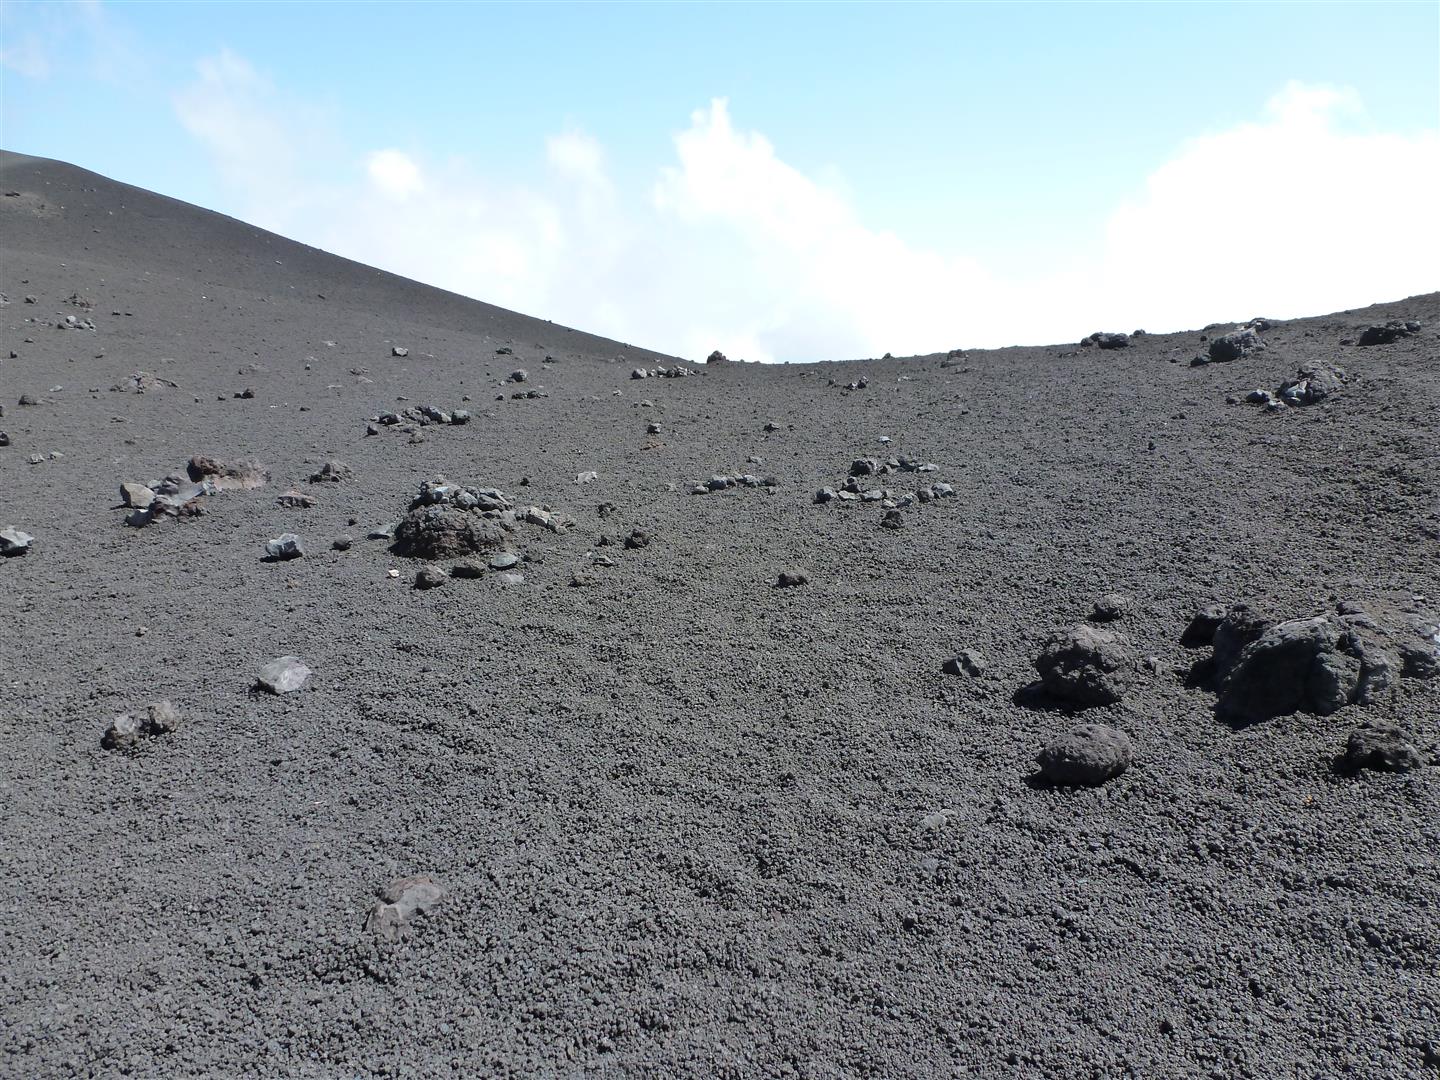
{"x":1110,"y":607}
{"x":245,"y":394}
{"x":1388,"y":333}
{"x":652,"y":428}
{"x":342,"y":543}
{"x":638,"y":538}
{"x":1086,"y":665}
{"x":283,"y":548}
{"x":510,"y":579}
{"x":227,"y":475}
{"x":791,"y":580}
{"x":1382,"y":747}
{"x":28,"y":399}
{"x":1087,"y":756}
{"x":398,"y":350}
{"x":893,"y":519}
{"x":1234,"y":345}
{"x":825,"y":495}
{"x":14,"y":542}
{"x":519,"y":375}
{"x":589,"y":476}
{"x":400,"y":902}
{"x":284,"y":675}
{"x":966,"y":662}
{"x":504,"y":560}
{"x":431,"y":577}
{"x":332,"y":472}
{"x":1316,"y":665}
{"x":460,"y":416}
{"x":296,"y":500}
{"x":137,"y":496}
{"x":123,"y":733}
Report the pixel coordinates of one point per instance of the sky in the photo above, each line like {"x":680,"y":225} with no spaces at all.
{"x":782,"y":181}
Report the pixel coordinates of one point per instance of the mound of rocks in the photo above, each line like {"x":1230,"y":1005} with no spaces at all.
{"x":1317,"y":665}
{"x":1085,"y":757}
{"x":678,"y":371}
{"x":716,"y":357}
{"x":1234,"y":345}
{"x":448,"y":520}
{"x":720,"y":482}
{"x":332,"y":472}
{"x":418,"y":416}
{"x":1388,"y":333}
{"x":1102,"y":340}
{"x":174,"y":497}
{"x":1086,"y":665}
{"x":1312,"y":384}
{"x":142,"y":382}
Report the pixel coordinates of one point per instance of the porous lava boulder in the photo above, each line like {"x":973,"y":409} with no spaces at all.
{"x":1234,"y":345}
{"x":1086,"y":665}
{"x":1102,"y":340}
{"x":1087,"y":756}
{"x":1316,"y":665}
{"x":1382,"y":747}
{"x":442,"y":531}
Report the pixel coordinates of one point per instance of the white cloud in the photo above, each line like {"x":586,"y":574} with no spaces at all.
{"x":732,"y":248}
{"x":394,"y":173}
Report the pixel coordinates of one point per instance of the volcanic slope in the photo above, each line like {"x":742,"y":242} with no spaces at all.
{"x":687,"y":823}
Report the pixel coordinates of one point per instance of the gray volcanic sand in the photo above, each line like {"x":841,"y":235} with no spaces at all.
{"x":681,"y":814}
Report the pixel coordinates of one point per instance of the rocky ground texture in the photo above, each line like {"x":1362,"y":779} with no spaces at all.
{"x":392,"y":685}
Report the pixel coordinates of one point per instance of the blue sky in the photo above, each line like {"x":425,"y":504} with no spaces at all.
{"x":791,"y":181}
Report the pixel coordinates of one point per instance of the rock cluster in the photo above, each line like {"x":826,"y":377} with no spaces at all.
{"x":418,"y":416}
{"x":448,"y":520}
{"x":1312,"y":384}
{"x":1317,"y":665}
{"x":142,"y":382}
{"x":127,"y":729}
{"x":1388,"y":333}
{"x":1103,"y":340}
{"x":1234,"y":345}
{"x":726,"y":482}
{"x":227,"y":475}
{"x":332,"y":472}
{"x":678,"y":371}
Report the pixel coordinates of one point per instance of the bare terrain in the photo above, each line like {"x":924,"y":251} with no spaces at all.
{"x":679,"y":820}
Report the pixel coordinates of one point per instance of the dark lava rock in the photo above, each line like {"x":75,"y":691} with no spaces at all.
{"x":1234,"y":345}
{"x":638,"y":538}
{"x":1202,"y":627}
{"x":1085,"y":665}
{"x":431,"y":577}
{"x":864,"y":467}
{"x":441,"y":531}
{"x":1088,"y":756}
{"x":966,"y":662}
{"x":1305,"y":665}
{"x":1110,"y":607}
{"x":1238,"y":628}
{"x":716,"y":357}
{"x":791,"y":580}
{"x":400,"y":902}
{"x":1103,"y":340}
{"x":519,"y":375}
{"x":893,"y":519}
{"x":342,"y":543}
{"x":1389,"y":333}
{"x":1383,"y":747}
